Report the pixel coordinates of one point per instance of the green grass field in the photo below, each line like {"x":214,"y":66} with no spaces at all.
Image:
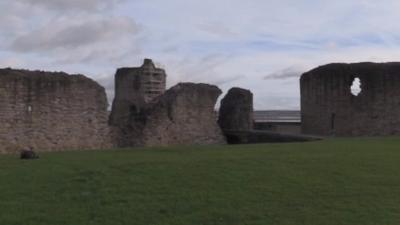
{"x":342,"y":181}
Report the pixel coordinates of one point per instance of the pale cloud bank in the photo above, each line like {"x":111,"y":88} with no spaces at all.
{"x":63,"y":5}
{"x":261,"y":45}
{"x":70,"y":36}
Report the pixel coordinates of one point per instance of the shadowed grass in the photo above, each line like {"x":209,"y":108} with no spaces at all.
{"x":338,"y":181}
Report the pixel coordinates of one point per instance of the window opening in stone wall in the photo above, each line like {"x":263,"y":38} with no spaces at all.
{"x":355,"y":88}
{"x":29,"y":108}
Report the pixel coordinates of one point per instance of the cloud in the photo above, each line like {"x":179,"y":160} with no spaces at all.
{"x":11,"y":62}
{"x":65,"y":5}
{"x":107,"y":81}
{"x":69,"y":36}
{"x":270,"y":42}
{"x":217,"y":29}
{"x":229,"y":79}
{"x":286,"y":73}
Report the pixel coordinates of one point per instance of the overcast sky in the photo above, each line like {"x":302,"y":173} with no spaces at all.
{"x":261,"y":45}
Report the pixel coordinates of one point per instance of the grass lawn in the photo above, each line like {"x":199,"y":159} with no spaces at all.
{"x":341,"y":181}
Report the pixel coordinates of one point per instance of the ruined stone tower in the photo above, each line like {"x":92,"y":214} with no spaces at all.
{"x":134,"y":88}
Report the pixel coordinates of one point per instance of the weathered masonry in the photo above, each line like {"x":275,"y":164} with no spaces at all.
{"x":183,"y":115}
{"x":145,"y":114}
{"x":134,"y":88}
{"x":236,"y":111}
{"x":57,"y":111}
{"x":360,"y":99}
{"x":53,"y":111}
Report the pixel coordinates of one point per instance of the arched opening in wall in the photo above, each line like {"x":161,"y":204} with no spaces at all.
{"x":355,"y":87}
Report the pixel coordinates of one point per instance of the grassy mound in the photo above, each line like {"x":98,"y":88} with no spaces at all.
{"x":341,"y":181}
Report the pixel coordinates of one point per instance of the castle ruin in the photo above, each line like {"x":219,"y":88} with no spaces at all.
{"x":183,"y":115}
{"x":53,"y":111}
{"x":236,"y":110}
{"x":328,"y":107}
{"x":56,"y":111}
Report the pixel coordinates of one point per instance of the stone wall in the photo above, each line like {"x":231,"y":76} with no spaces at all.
{"x":51,"y":111}
{"x":183,"y":115}
{"x":236,"y":111}
{"x":329,"y":108}
{"x":54,"y":111}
